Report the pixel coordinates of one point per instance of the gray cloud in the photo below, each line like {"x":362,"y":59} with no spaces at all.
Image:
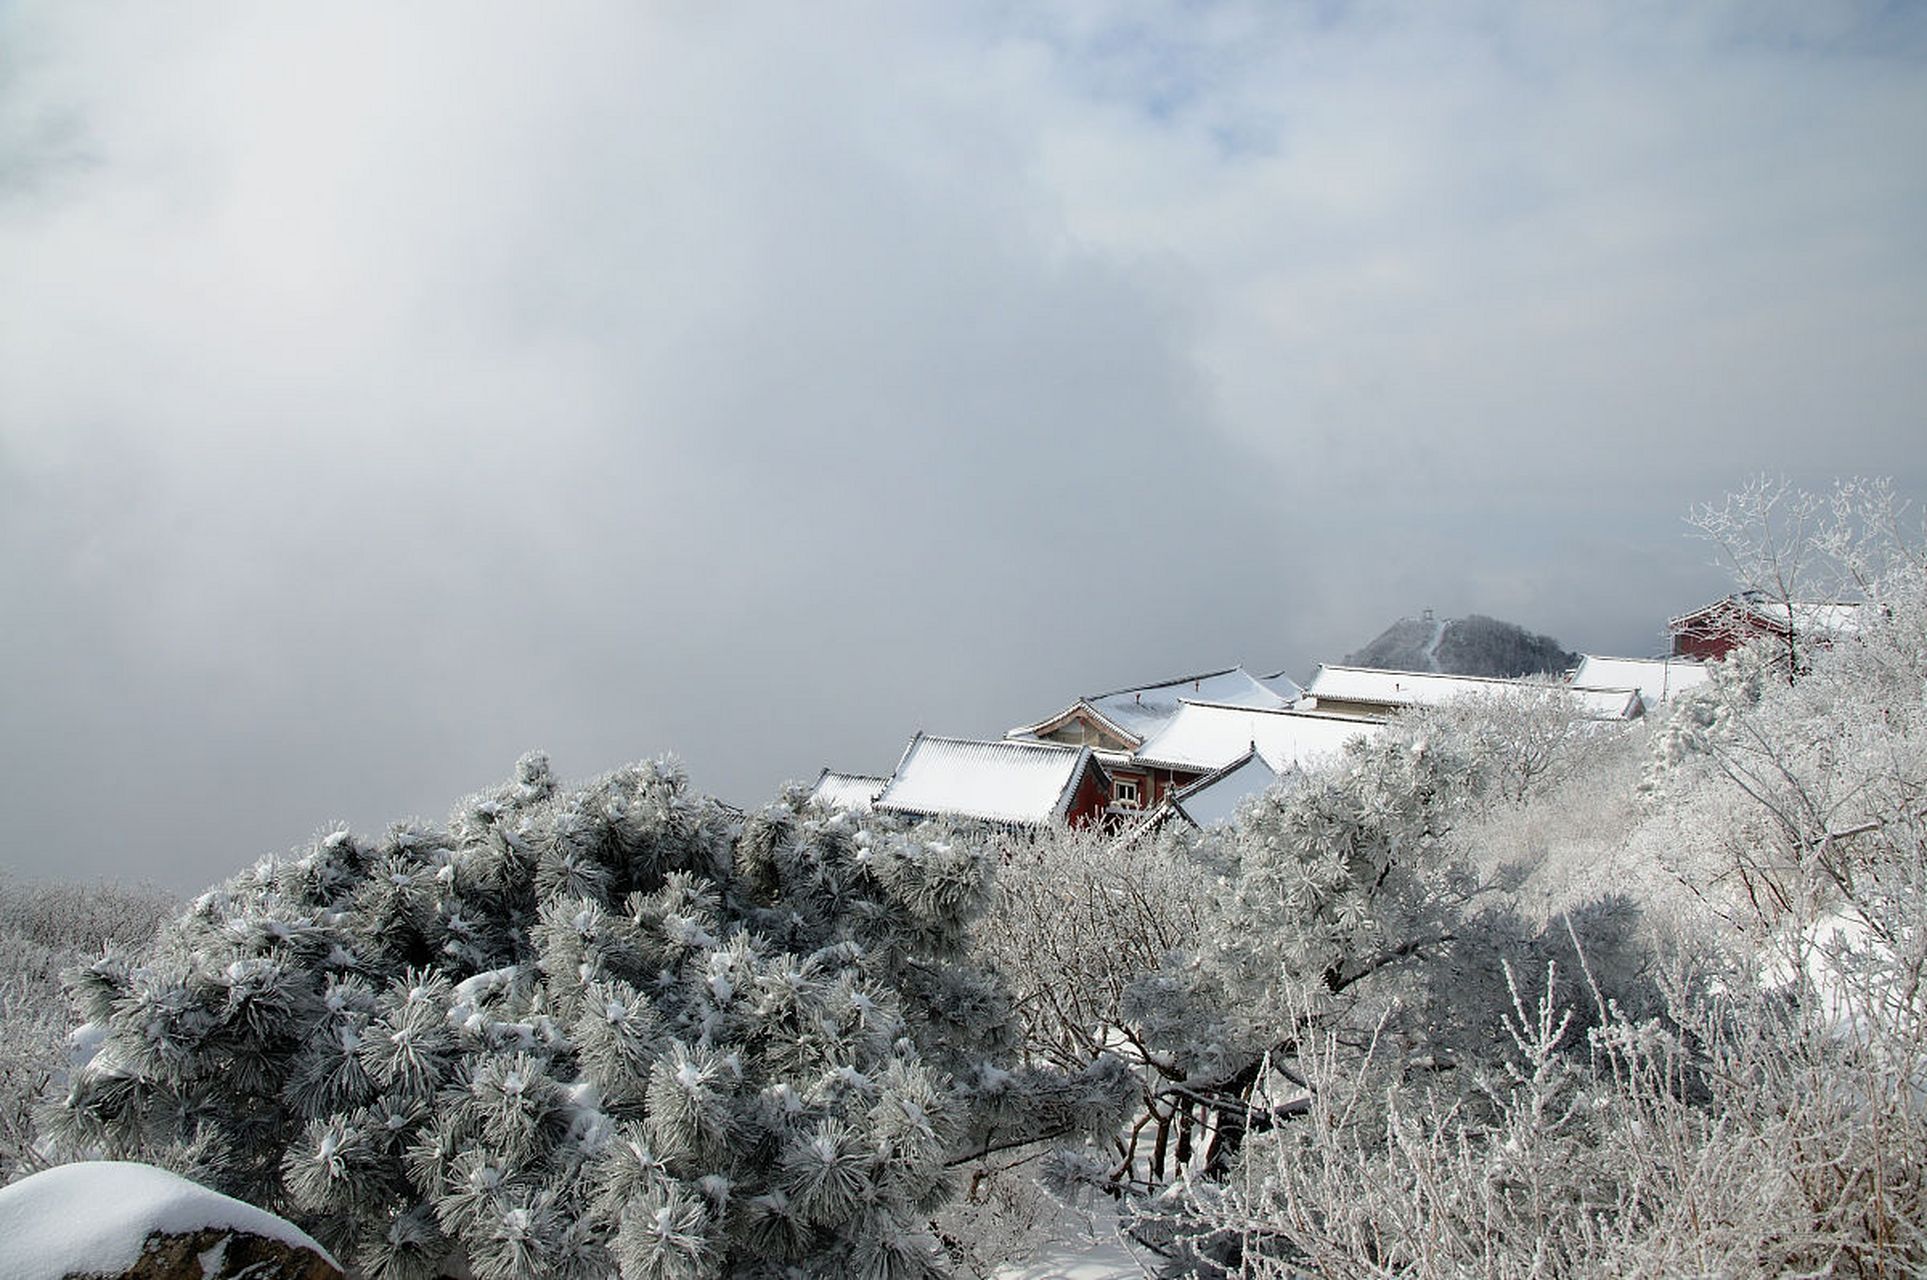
{"x":384,"y":393}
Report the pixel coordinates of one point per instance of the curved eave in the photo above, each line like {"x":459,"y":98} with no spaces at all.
{"x":1178,"y":797}
{"x":1187,"y":766}
{"x":997,"y":819}
{"x":1071,"y":713}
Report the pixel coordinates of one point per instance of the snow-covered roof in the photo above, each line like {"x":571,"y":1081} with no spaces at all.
{"x":1029,"y":783}
{"x":93,"y":1217}
{"x":1835,"y":617}
{"x":1432,"y":689}
{"x":1283,"y":685}
{"x":1657,"y":679}
{"x":1139,"y":711}
{"x":1214,"y":799}
{"x":1207,"y":736}
{"x":1620,"y":702}
{"x":852,"y":791}
{"x":1828,"y":617}
{"x":1395,"y":688}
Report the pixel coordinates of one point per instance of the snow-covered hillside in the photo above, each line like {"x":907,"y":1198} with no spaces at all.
{"x":1470,"y":646}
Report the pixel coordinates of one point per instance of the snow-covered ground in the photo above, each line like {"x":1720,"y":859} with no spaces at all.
{"x":1088,"y":1246}
{"x":93,"y":1217}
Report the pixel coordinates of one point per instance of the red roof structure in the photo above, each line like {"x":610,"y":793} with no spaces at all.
{"x":1715,"y":630}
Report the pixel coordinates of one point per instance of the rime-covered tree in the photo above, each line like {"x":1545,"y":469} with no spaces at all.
{"x":1796,"y":552}
{"x":45,"y":929}
{"x":1336,"y":885}
{"x":1206,"y":959}
{"x":1757,"y":1112}
{"x":1080,"y":917}
{"x":608,"y":1028}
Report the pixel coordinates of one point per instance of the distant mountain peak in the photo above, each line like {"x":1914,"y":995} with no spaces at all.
{"x":1474,"y":645}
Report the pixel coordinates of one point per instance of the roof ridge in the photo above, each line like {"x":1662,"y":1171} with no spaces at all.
{"x":1292,"y":712}
{"x":845,"y":773}
{"x":1217,"y":774}
{"x":1753,"y":598}
{"x":1019,"y":743}
{"x":1295,"y":712}
{"x":1427,"y":675}
{"x":1029,"y":732}
{"x":1165,"y":684}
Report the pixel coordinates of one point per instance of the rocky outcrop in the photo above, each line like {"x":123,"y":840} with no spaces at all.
{"x":122,"y":1220}
{"x":220,"y":1253}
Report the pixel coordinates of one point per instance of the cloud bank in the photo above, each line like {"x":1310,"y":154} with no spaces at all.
{"x":383,"y":393}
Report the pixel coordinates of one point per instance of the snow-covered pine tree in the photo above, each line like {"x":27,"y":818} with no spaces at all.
{"x":578,"y":1031}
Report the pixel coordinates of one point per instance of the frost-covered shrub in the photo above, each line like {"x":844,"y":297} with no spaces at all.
{"x":1756,"y":1106}
{"x":609,"y":1027}
{"x":1079,"y":917}
{"x":45,"y":928}
{"x":1730,"y":1135}
{"x":1517,"y":742}
{"x":1334,"y":889}
{"x":1202,"y":958}
{"x":104,"y":915}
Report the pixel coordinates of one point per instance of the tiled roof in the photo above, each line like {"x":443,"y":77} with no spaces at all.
{"x":853,"y":791}
{"x":1078,"y":709}
{"x":1395,"y":688}
{"x":1835,"y":617}
{"x":1619,"y":702}
{"x":1828,"y":617}
{"x":1141,"y":710}
{"x":1029,"y":783}
{"x":1432,"y":689}
{"x":1283,"y":685}
{"x":1207,"y":736}
{"x":1215,"y":799}
{"x":1656,"y":679}
{"x":1148,"y":707}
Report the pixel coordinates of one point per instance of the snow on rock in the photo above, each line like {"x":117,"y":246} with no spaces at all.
{"x":119,"y":1218}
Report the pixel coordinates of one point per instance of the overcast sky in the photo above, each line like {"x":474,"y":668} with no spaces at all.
{"x":387,"y":390}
